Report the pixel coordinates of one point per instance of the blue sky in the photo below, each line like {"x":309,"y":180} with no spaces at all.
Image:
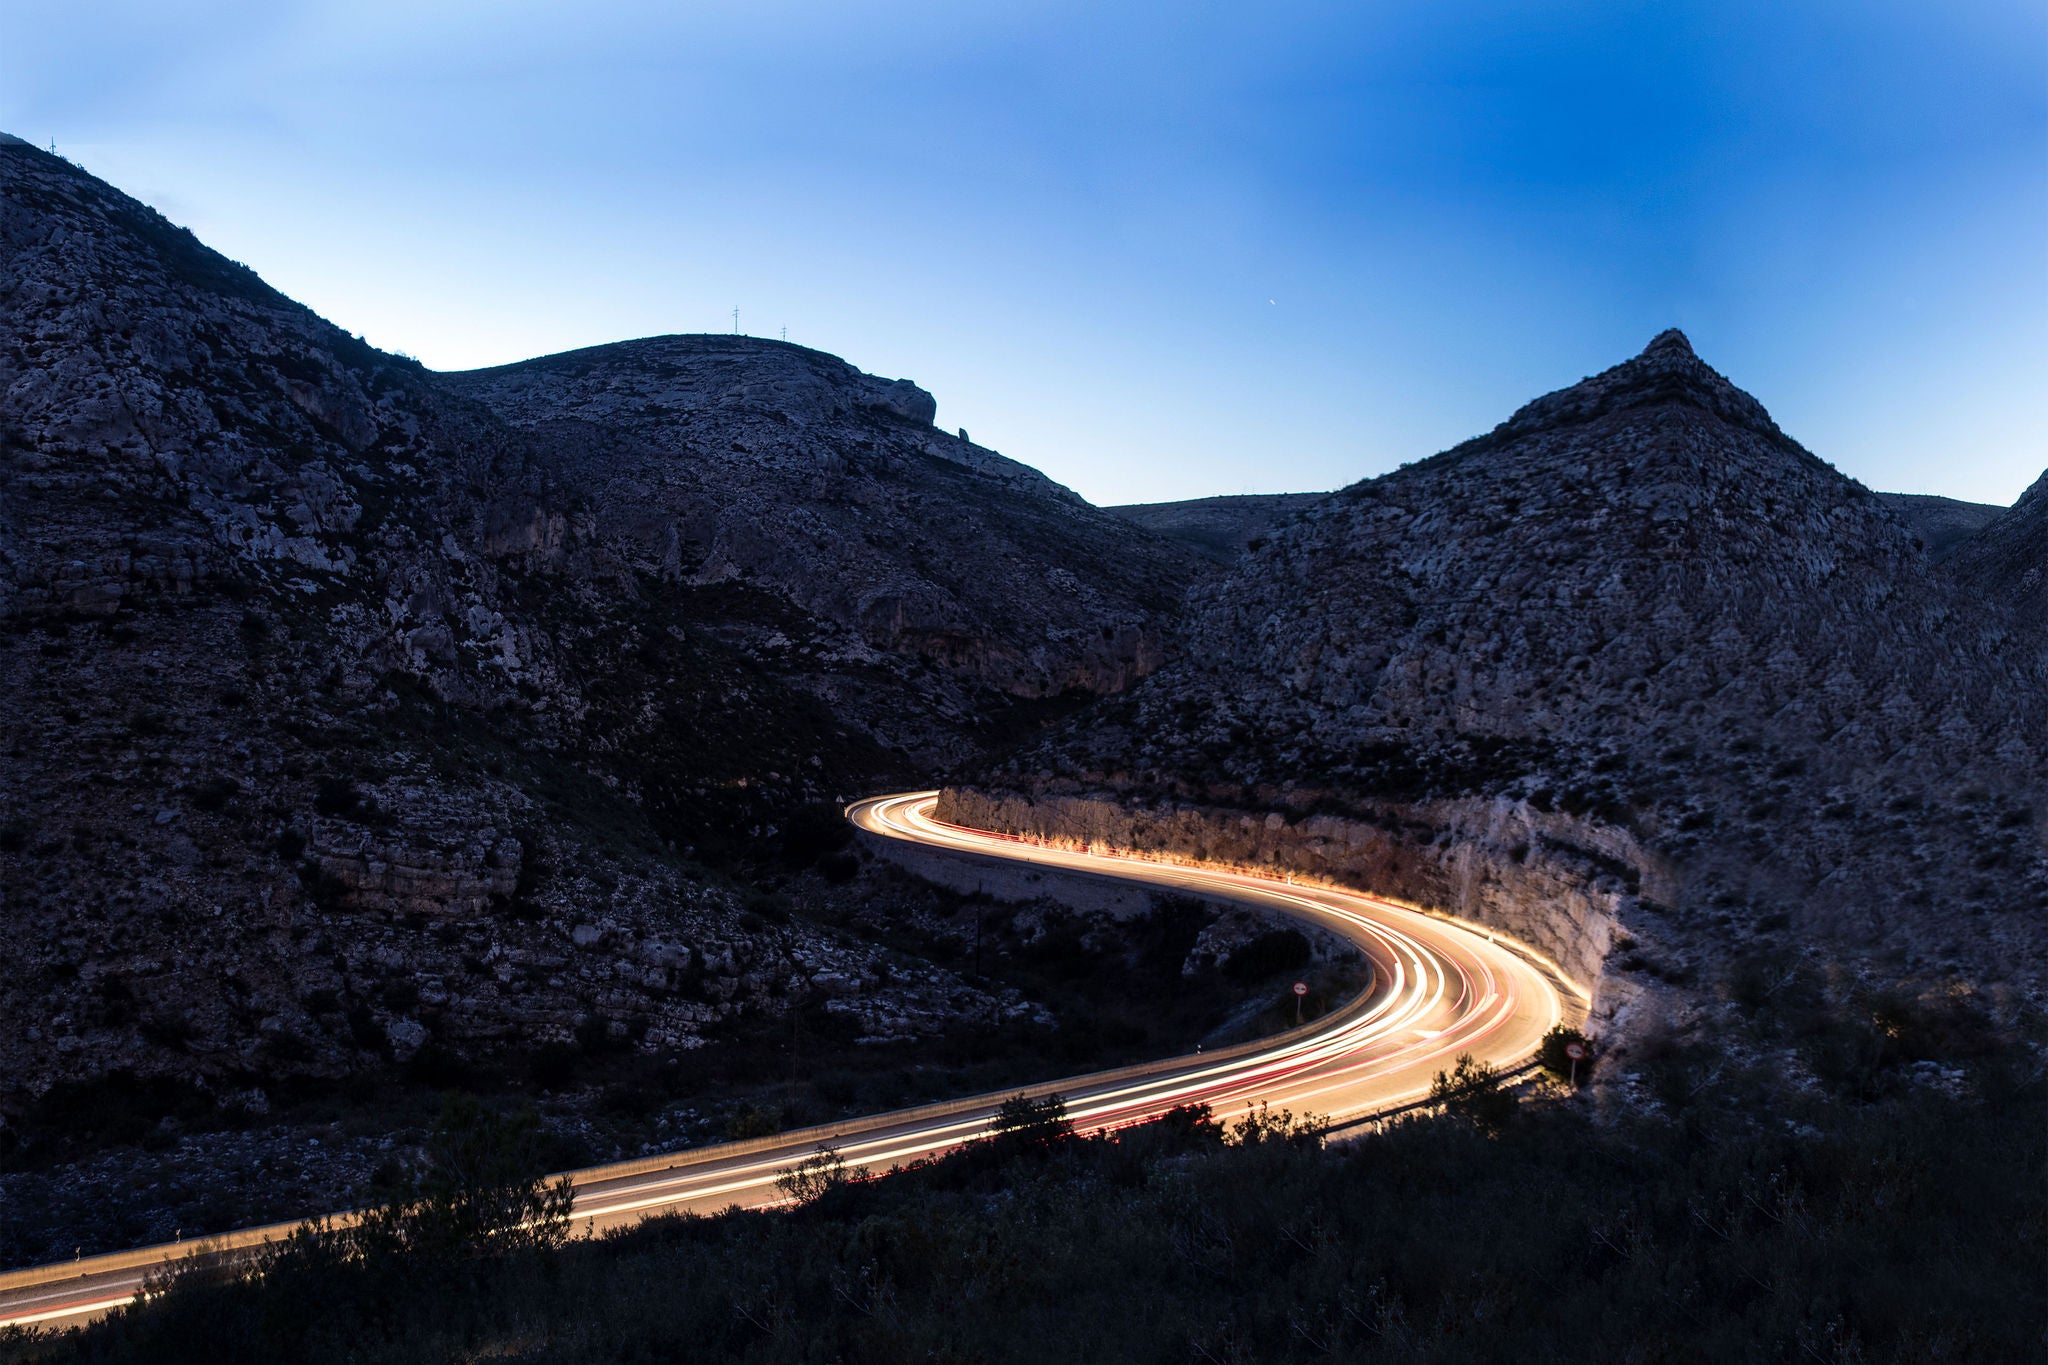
{"x":1158,"y":251}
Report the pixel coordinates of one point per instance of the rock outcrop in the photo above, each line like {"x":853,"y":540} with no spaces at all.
{"x":1635,"y":640}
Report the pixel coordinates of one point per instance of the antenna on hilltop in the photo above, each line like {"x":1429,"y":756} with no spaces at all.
{"x":785,"y":334}
{"x":735,"y":321}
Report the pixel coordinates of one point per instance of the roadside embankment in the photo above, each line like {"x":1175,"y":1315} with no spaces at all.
{"x":1572,"y":890}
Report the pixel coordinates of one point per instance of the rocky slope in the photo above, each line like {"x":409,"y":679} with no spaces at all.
{"x":733,"y":460}
{"x":2007,"y":561}
{"x":353,"y":708}
{"x":1218,"y":529}
{"x":1941,"y":523}
{"x":1634,"y":675}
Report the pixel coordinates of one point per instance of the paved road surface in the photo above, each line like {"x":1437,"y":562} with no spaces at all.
{"x":1439,"y":988}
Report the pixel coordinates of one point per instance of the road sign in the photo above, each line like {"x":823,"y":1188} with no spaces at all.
{"x":1300,"y":991}
{"x":1301,"y":988}
{"x":1575,"y":1051}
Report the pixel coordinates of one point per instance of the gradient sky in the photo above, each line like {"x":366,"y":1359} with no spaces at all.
{"x":1158,"y":251}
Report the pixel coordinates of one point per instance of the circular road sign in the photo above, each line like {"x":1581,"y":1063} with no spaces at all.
{"x":1575,"y":1051}
{"x":1301,"y":988}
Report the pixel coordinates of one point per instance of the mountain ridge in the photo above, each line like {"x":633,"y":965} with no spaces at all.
{"x":1634,"y":667}
{"x":352,"y":722}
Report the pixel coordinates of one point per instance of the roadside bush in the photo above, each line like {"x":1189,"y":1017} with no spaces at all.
{"x":1265,"y":1126}
{"x":1904,"y":1231}
{"x":479,"y":1194}
{"x":1023,"y":1124}
{"x":1551,"y":1056}
{"x":753,"y":1121}
{"x":817,"y":1176}
{"x":1273,"y":952}
{"x":1473,"y":1092}
{"x":812,"y":832}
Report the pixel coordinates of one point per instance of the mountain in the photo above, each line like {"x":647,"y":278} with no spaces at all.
{"x":2007,"y":560}
{"x":354,"y":707}
{"x":733,"y":461}
{"x":1218,"y":529}
{"x":1941,"y":523}
{"x":1635,"y":676}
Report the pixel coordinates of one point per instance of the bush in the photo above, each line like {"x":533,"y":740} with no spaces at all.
{"x":814,"y":831}
{"x":1904,"y":1231}
{"x":1273,"y":952}
{"x":816,"y":1176}
{"x":480,"y":1193}
{"x":1473,"y":1092}
{"x":1551,"y":1056}
{"x":1024,"y":1124}
{"x":215,"y":792}
{"x":753,"y":1121}
{"x":338,"y":797}
{"x":1265,"y":1126}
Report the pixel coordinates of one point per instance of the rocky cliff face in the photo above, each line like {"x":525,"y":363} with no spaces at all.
{"x":1636,"y":637}
{"x":352,"y":707}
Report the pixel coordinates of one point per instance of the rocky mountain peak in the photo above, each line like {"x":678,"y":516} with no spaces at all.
{"x":688,"y":373}
{"x":1668,"y":374}
{"x":1670,"y":339}
{"x":1635,"y":642}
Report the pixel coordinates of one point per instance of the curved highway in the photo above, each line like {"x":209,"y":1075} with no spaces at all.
{"x":1440,"y":988}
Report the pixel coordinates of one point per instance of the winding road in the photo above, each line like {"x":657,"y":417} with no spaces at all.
{"x":1440,"y":988}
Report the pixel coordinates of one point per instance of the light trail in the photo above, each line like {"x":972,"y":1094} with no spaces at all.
{"x":1440,"y":988}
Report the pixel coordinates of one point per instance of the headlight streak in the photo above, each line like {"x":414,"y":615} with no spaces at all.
{"x":1439,"y":988}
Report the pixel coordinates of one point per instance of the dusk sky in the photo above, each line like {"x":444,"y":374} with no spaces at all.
{"x":1158,"y":251}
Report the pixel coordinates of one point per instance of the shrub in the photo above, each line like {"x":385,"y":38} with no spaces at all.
{"x":817,"y":1176}
{"x":1265,"y":1126}
{"x":480,"y":1193}
{"x":1473,"y":1092}
{"x":338,"y":797}
{"x":753,"y":1121}
{"x":1275,"y":951}
{"x":1024,"y":1124}
{"x":215,"y":792}
{"x":1550,"y":1053}
{"x":814,"y":831}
